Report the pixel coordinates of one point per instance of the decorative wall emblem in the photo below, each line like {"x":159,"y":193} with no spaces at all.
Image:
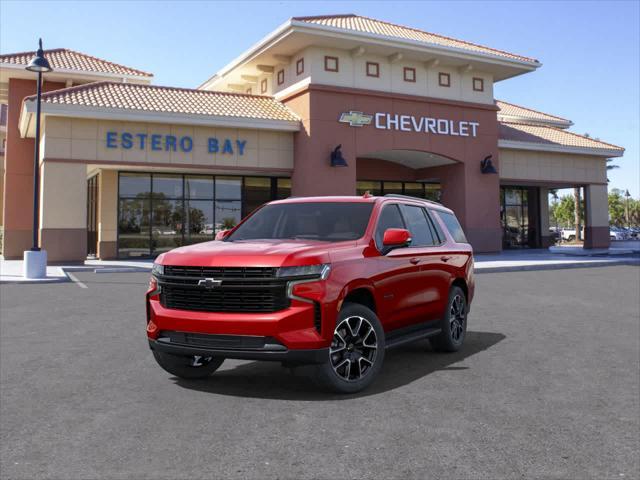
{"x":356,"y":119}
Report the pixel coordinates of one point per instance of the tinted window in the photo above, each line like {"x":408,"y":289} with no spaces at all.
{"x":452,"y":224}
{"x":324,"y":221}
{"x":417,"y":225}
{"x":389,"y":218}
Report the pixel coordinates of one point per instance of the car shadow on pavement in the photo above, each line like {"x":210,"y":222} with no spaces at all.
{"x":269,"y":380}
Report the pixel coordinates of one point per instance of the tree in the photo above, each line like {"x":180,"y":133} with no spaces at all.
{"x":563,"y":210}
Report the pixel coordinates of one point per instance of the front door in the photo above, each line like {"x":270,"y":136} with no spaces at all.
{"x":92,"y":216}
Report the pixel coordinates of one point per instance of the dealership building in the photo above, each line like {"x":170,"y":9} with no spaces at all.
{"x":331,"y":105}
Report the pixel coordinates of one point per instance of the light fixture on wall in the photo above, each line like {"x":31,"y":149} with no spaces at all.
{"x":35,"y":260}
{"x":337,"y":160}
{"x":486,"y":165}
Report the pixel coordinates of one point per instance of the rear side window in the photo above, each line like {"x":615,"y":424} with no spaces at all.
{"x":416,"y":219}
{"x":452,"y":224}
{"x":389,"y":218}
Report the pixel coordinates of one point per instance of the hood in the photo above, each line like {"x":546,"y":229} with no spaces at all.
{"x":257,"y":253}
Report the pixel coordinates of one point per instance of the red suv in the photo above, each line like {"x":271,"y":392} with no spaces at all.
{"x":328,"y":281}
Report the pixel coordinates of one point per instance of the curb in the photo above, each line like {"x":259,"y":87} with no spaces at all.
{"x":562,"y":266}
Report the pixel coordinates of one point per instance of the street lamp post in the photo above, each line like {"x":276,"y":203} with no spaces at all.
{"x":35,"y":260}
{"x":626,"y":208}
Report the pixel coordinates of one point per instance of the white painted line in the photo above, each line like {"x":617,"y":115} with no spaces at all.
{"x":75,"y":280}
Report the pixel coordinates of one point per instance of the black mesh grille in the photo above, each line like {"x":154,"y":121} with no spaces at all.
{"x":241,"y":289}
{"x":317,"y":316}
{"x":244,"y":342}
{"x":221,"y":272}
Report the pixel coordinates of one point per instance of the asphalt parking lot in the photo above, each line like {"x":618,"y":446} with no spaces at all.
{"x":547,"y":386}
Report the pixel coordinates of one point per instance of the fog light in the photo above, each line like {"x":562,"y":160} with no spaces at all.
{"x":152,"y":330}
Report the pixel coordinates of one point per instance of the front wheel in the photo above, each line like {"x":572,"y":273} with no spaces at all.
{"x":356,"y":352}
{"x":190,"y":367}
{"x":454,"y":323}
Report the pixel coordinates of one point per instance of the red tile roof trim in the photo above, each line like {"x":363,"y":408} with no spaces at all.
{"x":313,"y":19}
{"x":155,"y":98}
{"x":64,"y":58}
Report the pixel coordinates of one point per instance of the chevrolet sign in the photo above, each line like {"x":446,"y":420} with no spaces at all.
{"x":410,"y":123}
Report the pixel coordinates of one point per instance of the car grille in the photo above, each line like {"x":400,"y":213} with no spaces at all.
{"x":225,"y":342}
{"x":242,"y":289}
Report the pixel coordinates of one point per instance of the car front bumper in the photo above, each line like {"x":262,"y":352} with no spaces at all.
{"x":234,"y":346}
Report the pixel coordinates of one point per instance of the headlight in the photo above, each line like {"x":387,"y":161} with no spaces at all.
{"x":320,"y":271}
{"x":157,"y":269}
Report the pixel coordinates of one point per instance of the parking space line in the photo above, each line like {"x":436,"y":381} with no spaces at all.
{"x":75,"y":280}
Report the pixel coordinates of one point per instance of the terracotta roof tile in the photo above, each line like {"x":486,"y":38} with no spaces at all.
{"x":153,"y":98}
{"x":65,"y":59}
{"x":513,"y":110}
{"x":517,"y":132}
{"x":379,"y":27}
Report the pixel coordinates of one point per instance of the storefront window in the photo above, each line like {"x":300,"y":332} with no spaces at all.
{"x":374,"y":188}
{"x":159,"y":212}
{"x":283,"y":189}
{"x":257,"y":190}
{"x":392,"y":187}
{"x":133,"y":227}
{"x":429,"y":191}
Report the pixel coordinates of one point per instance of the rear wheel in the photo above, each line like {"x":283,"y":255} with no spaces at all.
{"x":454,"y":323}
{"x":193,"y":366}
{"x":356,"y":352}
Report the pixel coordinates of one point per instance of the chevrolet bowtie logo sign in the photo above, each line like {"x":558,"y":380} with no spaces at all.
{"x":209,"y":283}
{"x":355,"y":119}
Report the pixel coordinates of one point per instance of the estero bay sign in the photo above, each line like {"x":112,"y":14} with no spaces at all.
{"x":411,"y":123}
{"x":171,"y":143}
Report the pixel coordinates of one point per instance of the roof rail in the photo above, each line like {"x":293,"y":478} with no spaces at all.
{"x":409,"y":197}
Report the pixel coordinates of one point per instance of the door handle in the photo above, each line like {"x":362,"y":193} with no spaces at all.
{"x":445,"y":258}
{"x":414,"y":260}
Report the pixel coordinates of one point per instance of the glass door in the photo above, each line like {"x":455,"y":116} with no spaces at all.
{"x":92,"y":216}
{"x":518,"y":214}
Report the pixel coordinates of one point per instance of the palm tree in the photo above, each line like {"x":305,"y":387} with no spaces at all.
{"x":611,"y":167}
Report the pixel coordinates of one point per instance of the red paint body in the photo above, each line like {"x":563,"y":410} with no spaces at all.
{"x":409,"y":285}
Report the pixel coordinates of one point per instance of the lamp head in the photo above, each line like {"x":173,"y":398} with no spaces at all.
{"x":39,"y":62}
{"x":337,"y":160}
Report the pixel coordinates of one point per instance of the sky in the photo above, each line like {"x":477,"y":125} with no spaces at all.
{"x":590,"y":51}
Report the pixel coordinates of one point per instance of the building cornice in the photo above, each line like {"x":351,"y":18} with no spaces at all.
{"x":129,"y":115}
{"x":306,"y":87}
{"x":544,"y":147}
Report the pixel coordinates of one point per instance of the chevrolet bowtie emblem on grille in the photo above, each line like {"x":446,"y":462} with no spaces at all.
{"x":356,"y":119}
{"x":209,"y":283}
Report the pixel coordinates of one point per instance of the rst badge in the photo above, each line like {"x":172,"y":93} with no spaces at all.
{"x":209,"y":283}
{"x":355,"y":119}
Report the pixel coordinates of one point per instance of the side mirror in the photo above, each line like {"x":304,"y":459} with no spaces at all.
{"x":395,"y":238}
{"x":222,"y":234}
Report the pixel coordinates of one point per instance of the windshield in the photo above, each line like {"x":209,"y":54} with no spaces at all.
{"x":323,"y":221}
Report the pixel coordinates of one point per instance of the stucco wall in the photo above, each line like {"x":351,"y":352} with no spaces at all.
{"x":551,"y":167}
{"x":85,"y":140}
{"x":352,"y":73}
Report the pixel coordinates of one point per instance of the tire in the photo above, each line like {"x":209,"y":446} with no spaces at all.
{"x":182,"y":366}
{"x":358,"y":342}
{"x":571,"y":238}
{"x":454,"y":323}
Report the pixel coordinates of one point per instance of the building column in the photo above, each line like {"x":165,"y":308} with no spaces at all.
{"x":596,"y":216}
{"x":312,"y":171}
{"x":18,"y":173}
{"x":475,"y":199}
{"x":546,"y":240}
{"x":107,"y":214}
{"x":63,"y":211}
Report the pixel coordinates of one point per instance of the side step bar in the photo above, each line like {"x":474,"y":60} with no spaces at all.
{"x":397,"y":340}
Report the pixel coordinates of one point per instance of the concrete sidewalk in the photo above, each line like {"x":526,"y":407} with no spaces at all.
{"x":506,"y":261}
